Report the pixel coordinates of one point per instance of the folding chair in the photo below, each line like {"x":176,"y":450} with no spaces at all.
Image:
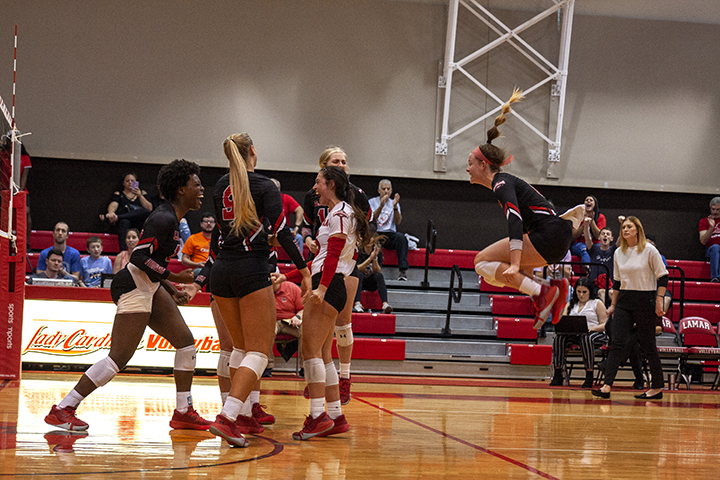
{"x":701,"y":339}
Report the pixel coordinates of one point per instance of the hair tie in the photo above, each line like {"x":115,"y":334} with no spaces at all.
{"x":489,"y":142}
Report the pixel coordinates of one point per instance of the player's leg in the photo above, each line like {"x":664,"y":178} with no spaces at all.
{"x":167,"y":321}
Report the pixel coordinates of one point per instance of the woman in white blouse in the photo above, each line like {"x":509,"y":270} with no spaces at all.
{"x":584,"y":302}
{"x":641,"y":280}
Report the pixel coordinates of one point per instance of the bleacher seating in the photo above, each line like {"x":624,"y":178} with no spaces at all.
{"x":522,"y":354}
{"x":42,"y":239}
{"x":515,"y":328}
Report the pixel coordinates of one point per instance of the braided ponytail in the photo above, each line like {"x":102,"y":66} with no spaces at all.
{"x":495,"y":156}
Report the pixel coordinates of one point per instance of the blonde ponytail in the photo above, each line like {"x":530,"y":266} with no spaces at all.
{"x":237,"y":149}
{"x":494,"y":133}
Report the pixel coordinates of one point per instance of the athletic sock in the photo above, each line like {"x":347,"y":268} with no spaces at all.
{"x":232,"y":408}
{"x":334,"y":410}
{"x":183,"y":400}
{"x":317,"y":407}
{"x":72,"y":399}
{"x":224,"y":396}
{"x":529,"y":287}
{"x":246,"y":409}
{"x":254,"y":397}
{"x":344,"y":370}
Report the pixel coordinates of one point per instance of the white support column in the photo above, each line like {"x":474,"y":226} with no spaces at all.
{"x":557,"y":74}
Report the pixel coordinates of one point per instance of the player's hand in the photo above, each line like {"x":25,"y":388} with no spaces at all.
{"x":182,"y":297}
{"x":317,"y":296}
{"x":186,"y":276}
{"x":273,"y":241}
{"x":277,"y":278}
{"x":306,"y":285}
{"x":509,"y":275}
{"x":190,"y":290}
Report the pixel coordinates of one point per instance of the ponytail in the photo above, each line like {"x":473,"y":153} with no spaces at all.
{"x":495,"y":156}
{"x":237,"y":149}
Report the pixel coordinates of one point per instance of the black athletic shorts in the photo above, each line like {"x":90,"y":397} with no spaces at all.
{"x":335,"y":294}
{"x":552,"y":239}
{"x":235,"y":277}
{"x":355,"y":273}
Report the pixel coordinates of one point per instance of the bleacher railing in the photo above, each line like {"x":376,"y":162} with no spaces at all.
{"x":453,"y":295}
{"x":430,"y":241}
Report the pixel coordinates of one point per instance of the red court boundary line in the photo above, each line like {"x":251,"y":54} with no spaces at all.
{"x":463,"y":442}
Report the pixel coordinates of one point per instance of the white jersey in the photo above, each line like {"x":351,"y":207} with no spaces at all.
{"x":339,"y":220}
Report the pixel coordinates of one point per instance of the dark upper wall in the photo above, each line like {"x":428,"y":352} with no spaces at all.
{"x":466,"y":216}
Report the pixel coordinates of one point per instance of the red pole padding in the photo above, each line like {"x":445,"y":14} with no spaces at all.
{"x":12,"y":287}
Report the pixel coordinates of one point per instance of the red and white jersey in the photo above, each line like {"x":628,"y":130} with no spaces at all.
{"x":340,"y":220}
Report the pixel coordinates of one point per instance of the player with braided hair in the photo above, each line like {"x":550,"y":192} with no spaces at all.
{"x":538,"y":236}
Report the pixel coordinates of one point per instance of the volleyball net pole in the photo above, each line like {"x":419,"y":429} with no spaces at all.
{"x":13,"y":225}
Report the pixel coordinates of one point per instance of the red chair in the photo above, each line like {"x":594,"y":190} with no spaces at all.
{"x":675,"y":352}
{"x":701,"y":339}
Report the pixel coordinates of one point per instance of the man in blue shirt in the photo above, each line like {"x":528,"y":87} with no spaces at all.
{"x":55,"y":268}
{"x":71,"y":257}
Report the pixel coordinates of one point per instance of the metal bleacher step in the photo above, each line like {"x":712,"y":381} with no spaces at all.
{"x":455,"y":350}
{"x":428,"y":301}
{"x":429,"y":323}
{"x":438,"y":278}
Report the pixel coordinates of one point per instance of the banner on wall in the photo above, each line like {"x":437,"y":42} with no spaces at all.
{"x":68,"y":332}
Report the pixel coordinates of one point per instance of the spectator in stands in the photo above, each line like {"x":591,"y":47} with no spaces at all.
{"x":71,"y":257}
{"x":128,"y":208}
{"x":601,"y":253}
{"x":595,"y":222}
{"x":583,"y":302}
{"x":369,"y":264}
{"x":131,"y":240}
{"x":291,"y":206}
{"x":197,"y":247}
{"x":641,"y":280}
{"x":288,"y":315}
{"x":5,"y":169}
{"x":388,"y":216}
{"x":55,"y":268}
{"x":95,"y":265}
{"x":709,"y":229}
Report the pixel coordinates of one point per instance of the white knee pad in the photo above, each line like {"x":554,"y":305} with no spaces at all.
{"x":223,"y":368}
{"x":256,"y":362}
{"x":102,"y":372}
{"x":487,"y":271}
{"x":236,"y":357}
{"x":314,"y":370}
{"x":331,"y":375}
{"x":344,"y":335}
{"x":185,"y":359}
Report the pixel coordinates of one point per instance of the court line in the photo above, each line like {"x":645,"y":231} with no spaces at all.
{"x":278,"y":447}
{"x":461,"y":441}
{"x":505,"y":398}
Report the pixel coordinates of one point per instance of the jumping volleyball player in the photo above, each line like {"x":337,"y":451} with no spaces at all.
{"x":538,"y":235}
{"x":248,"y":208}
{"x":315,"y":215}
{"x":140,"y":303}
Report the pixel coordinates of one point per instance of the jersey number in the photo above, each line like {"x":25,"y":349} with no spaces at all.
{"x":227,"y":212}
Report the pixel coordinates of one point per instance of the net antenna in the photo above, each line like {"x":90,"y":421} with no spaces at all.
{"x":12,"y":136}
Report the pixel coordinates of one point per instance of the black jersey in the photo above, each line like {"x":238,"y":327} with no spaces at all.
{"x":159,"y":243}
{"x":268,"y":205}
{"x":315,"y":214}
{"x":525,"y":208}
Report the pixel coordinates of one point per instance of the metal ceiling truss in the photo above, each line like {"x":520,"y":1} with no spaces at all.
{"x":553,"y":73}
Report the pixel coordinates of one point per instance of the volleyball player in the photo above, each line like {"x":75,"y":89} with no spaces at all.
{"x":337,"y":238}
{"x":248,"y":208}
{"x":140,"y":303}
{"x":315,"y":215}
{"x":538,"y":235}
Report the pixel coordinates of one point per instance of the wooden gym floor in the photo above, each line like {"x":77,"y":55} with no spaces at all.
{"x":401,"y":428}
